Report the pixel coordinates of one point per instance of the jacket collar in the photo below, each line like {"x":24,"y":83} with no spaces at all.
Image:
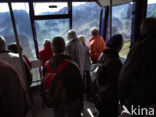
{"x":111,"y":52}
{"x":48,"y":47}
{"x":73,"y":40}
{"x":56,"y":59}
{"x":94,"y":37}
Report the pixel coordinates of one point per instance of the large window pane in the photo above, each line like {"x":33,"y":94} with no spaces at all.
{"x":102,"y":22}
{"x":121,"y":24}
{"x":6,"y":28}
{"x":85,"y":16}
{"x":151,"y":8}
{"x":21,"y":14}
{"x":50,"y":8}
{"x":48,"y":29}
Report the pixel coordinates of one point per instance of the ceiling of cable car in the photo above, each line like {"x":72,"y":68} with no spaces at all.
{"x":114,"y":2}
{"x":101,"y":2}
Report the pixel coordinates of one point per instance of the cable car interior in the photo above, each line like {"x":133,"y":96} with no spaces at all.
{"x":29,"y":22}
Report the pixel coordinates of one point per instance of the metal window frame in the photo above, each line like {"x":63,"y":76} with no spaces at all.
{"x":46,"y":17}
{"x":139,"y":13}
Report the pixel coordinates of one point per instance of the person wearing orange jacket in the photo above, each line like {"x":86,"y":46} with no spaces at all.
{"x":96,"y":45}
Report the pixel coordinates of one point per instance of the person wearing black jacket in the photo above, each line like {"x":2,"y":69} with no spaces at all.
{"x":137,"y":82}
{"x":71,"y":78}
{"x":108,"y":81}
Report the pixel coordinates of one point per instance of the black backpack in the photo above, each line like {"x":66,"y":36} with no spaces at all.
{"x":95,"y":71}
{"x":101,"y":90}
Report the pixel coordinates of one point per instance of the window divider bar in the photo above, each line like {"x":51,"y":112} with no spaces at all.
{"x":70,"y":14}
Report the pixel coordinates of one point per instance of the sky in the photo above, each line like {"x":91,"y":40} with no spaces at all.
{"x":40,"y":8}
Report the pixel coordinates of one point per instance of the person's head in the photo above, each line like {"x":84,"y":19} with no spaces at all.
{"x":58,"y":45}
{"x":94,"y":31}
{"x":148,"y":26}
{"x":47,"y":42}
{"x":115,"y":42}
{"x":82,"y":39}
{"x":13,"y":48}
{"x":2,"y":43}
{"x":71,"y":34}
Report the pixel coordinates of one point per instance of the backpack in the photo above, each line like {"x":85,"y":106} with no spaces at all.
{"x":95,"y":71}
{"x":52,"y":89}
{"x":101,"y":90}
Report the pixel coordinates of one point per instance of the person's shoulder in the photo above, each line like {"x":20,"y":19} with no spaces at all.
{"x":72,"y":63}
{"x":101,"y":38}
{"x":139,"y":45}
{"x":13,"y":55}
{"x":41,"y":51}
{"x":6,"y":67}
{"x":4,"y":64}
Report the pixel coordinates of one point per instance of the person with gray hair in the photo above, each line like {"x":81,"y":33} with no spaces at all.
{"x":87,"y":64}
{"x":96,"y":45}
{"x":14,"y":60}
{"x":75,"y":50}
{"x":138,"y":74}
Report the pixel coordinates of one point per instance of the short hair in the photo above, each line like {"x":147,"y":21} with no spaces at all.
{"x":58,"y":45}
{"x":72,"y":34}
{"x":82,"y":39}
{"x":148,"y":26}
{"x":13,"y":47}
{"x":2,"y":43}
{"x":94,"y":31}
{"x":115,"y":42}
{"x":47,"y":42}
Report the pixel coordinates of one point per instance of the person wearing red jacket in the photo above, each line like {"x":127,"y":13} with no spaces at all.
{"x":46,"y":53}
{"x":96,"y":45}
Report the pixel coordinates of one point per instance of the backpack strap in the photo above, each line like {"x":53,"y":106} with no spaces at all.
{"x":59,"y":68}
{"x":63,"y":65}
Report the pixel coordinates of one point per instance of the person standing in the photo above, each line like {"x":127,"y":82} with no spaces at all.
{"x":12,"y":98}
{"x":70,"y":101}
{"x":46,"y":53}
{"x":138,"y":75}
{"x":87,"y":64}
{"x":75,"y":50}
{"x":108,"y":79}
{"x":96,"y":45}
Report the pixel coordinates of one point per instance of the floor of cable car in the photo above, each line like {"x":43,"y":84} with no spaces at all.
{"x":38,"y":110}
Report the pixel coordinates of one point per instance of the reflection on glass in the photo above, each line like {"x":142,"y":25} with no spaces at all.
{"x":121,"y":24}
{"x":50,"y":8}
{"x":48,"y":29}
{"x":85,"y":16}
{"x":151,"y":8}
{"x":21,"y":14}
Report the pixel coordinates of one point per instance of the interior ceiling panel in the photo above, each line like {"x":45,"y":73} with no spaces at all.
{"x":114,"y":2}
